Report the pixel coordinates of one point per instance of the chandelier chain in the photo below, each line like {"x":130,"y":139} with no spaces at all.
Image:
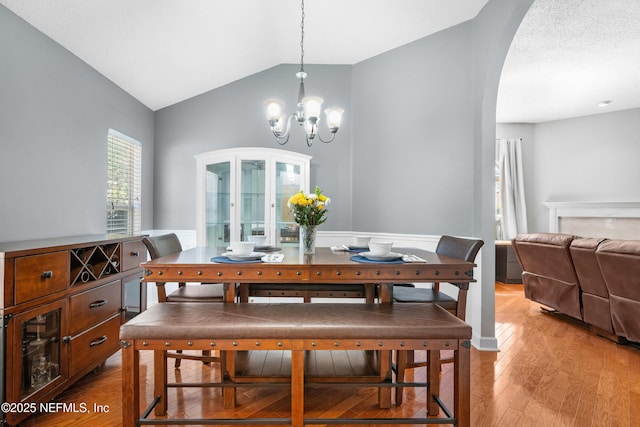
{"x":302,"y":38}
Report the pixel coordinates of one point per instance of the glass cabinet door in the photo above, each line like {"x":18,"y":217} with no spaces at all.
{"x":39,"y":355}
{"x":287,"y":184}
{"x":252,"y":196}
{"x":218,"y":204}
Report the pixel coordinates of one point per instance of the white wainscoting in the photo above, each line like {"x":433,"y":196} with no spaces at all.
{"x":335,"y":238}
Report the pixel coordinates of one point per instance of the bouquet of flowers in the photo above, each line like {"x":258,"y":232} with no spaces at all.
{"x":309,"y":209}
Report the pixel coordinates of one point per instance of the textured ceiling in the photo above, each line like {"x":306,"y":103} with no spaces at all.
{"x":567,"y":54}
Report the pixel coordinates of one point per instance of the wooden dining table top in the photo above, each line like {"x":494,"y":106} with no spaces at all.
{"x":325,"y":266}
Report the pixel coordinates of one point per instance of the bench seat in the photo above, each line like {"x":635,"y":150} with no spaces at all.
{"x":297,"y":327}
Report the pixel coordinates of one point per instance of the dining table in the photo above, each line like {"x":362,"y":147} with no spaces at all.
{"x":327,"y":266}
{"x":330,"y":266}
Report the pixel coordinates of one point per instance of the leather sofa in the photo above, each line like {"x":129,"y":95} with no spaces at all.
{"x":594,"y":281}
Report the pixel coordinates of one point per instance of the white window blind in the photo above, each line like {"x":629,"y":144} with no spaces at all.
{"x":124,"y":179}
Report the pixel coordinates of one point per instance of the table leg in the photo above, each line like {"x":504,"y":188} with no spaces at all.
{"x":243,"y":292}
{"x":130,"y":384}
{"x":297,"y":388}
{"x":370,"y":292}
{"x":386,"y":293}
{"x":229,"y":292}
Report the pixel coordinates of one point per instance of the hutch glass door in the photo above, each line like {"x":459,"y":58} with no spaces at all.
{"x":218,"y":203}
{"x":288,"y":178}
{"x":244,"y":191}
{"x":252,"y":198}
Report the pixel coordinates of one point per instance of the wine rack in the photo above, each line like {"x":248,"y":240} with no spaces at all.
{"x":94,"y":263}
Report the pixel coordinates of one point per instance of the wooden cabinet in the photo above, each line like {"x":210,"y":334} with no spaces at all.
{"x":62,"y":303}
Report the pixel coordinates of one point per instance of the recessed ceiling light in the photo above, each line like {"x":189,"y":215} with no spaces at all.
{"x":603,"y":103}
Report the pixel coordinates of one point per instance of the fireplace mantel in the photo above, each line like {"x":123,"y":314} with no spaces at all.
{"x":614,"y":220}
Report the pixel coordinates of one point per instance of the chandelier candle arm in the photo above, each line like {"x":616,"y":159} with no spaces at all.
{"x":308,"y":108}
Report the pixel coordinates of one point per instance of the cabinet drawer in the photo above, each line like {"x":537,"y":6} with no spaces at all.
{"x":40,"y":275}
{"x":92,"y":347}
{"x":94,"y":306}
{"x":133,"y":253}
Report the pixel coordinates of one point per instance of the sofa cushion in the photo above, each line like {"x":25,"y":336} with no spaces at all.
{"x":549,"y":276}
{"x":619,"y":262}
{"x":595,"y":297}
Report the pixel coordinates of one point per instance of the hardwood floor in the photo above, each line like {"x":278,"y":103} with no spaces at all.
{"x":548,"y":372}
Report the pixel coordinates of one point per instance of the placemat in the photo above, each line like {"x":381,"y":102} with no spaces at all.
{"x":360,"y":258}
{"x":226,"y":260}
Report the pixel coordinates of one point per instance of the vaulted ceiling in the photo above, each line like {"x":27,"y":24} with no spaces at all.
{"x":566,"y":56}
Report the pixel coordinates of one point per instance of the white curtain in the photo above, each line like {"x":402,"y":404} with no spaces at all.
{"x":513,"y":219}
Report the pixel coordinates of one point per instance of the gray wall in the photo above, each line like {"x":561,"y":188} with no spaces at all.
{"x":413,"y":139}
{"x":409,"y":140}
{"x":585,"y":159}
{"x":233,"y":116}
{"x":55,"y":112}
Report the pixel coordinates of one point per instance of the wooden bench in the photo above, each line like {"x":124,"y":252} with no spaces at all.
{"x":299,"y":328}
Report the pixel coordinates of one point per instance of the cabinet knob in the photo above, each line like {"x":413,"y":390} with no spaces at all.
{"x":66,"y":339}
{"x":135,"y":253}
{"x":47,"y":274}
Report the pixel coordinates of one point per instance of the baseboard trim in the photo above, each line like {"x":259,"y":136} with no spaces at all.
{"x":484,"y":343}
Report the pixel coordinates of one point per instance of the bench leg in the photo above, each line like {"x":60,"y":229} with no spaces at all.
{"x":160,"y":381}
{"x":229,"y":365}
{"x":130,"y":385}
{"x":401,"y":363}
{"x":462,"y":384}
{"x":433,"y":379}
{"x":384,"y":393}
{"x":297,"y":388}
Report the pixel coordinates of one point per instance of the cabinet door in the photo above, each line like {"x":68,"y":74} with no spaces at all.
{"x":288,"y":181}
{"x":253,"y":207}
{"x":38,"y":360}
{"x":218,"y":203}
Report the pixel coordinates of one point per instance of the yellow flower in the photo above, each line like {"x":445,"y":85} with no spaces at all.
{"x":309,"y":209}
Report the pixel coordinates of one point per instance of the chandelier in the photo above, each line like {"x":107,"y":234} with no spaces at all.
{"x":308,"y":109}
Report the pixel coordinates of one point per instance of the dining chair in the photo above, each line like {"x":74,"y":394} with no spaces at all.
{"x":168,"y":244}
{"x":456,"y":247}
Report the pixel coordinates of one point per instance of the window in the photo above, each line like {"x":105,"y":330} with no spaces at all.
{"x":124,"y":177}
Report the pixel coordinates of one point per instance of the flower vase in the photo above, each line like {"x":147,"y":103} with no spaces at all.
{"x":308,"y":239}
